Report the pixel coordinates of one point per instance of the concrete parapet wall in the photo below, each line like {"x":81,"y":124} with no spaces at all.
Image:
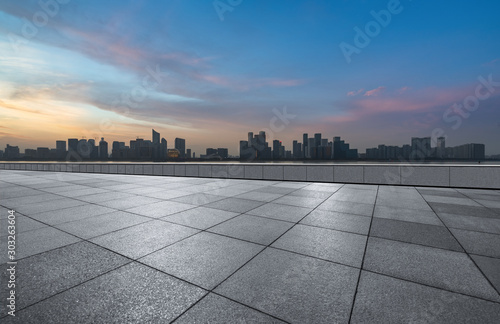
{"x":438,"y":175}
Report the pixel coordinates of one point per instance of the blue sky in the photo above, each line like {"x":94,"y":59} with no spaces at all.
{"x":116,"y":69}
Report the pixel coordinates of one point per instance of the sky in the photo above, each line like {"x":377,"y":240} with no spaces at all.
{"x":372,"y":72}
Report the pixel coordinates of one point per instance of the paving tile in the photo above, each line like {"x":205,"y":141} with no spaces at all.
{"x":200,"y":217}
{"x":129,"y":202}
{"x":20,"y":192}
{"x":228,"y":192}
{"x":357,"y":196}
{"x":21,"y":201}
{"x":253,"y":228}
{"x":311,"y":193}
{"x":451,"y":200}
{"x":347,"y":207}
{"x":71,"y":214}
{"x":101,"y":224}
{"x":480,"y":224}
{"x":404,"y":203}
{"x":217,"y":309}
{"x":338,"y":221}
{"x":382,"y":299}
{"x":137,"y":241}
{"x":259,"y":196}
{"x":168,"y":194}
{"x":296,"y":288}
{"x":113,"y":298}
{"x":160,"y":209}
{"x":449,"y":192}
{"x":424,"y":234}
{"x":56,"y":204}
{"x":236,"y":205}
{"x":478,"y":243}
{"x":111,"y":195}
{"x":281,"y":212}
{"x":439,"y":268}
{"x":22,"y":224}
{"x":324,"y":187}
{"x":489,"y":203}
{"x":49,"y":273}
{"x":82,"y":192}
{"x":408,"y":215}
{"x":336,"y":246}
{"x":491,"y":269}
{"x":37,"y":241}
{"x":463,"y":210}
{"x":204,"y":259}
{"x":198,"y":199}
{"x":307,"y":202}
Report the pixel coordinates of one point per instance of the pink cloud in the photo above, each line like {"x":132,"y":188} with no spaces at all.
{"x":355,"y":93}
{"x":374,"y":92}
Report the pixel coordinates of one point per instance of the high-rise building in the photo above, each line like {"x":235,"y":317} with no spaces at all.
{"x":296,"y":149}
{"x":223,"y":152}
{"x":180,"y":145}
{"x":11,"y":152}
{"x":60,"y":149}
{"x":304,"y":145}
{"x":441,"y":148}
{"x":84,"y":148}
{"x":188,"y":153}
{"x":163,"y":149}
{"x":420,"y":147}
{"x":250,"y":139}
{"x":103,"y":149}
{"x":276,"y":149}
{"x":211,"y":151}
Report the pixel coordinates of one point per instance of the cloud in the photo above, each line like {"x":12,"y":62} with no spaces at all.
{"x":374,"y":92}
{"x":354,"y":93}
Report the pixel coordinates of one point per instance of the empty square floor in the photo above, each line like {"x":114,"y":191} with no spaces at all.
{"x":102,"y":248}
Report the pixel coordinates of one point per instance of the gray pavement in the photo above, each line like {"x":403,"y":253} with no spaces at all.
{"x":101,"y":248}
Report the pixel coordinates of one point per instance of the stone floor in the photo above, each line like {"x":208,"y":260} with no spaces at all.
{"x":94,"y":248}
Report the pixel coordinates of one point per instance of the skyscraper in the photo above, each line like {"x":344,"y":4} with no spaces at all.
{"x":60,"y":149}
{"x":163,"y":149}
{"x":441,"y":147}
{"x":420,"y":147}
{"x":188,"y":153}
{"x":103,"y":149}
{"x":304,"y":145}
{"x":180,"y":145}
{"x":156,"y":145}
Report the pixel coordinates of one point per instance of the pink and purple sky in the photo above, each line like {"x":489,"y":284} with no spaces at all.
{"x":117,"y":69}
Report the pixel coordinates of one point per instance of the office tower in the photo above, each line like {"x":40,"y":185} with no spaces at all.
{"x":281,"y":152}
{"x":163,"y":149}
{"x":250,"y":139}
{"x":72,"y":145}
{"x":324,"y":142}
{"x":317,"y":139}
{"x":211,"y":151}
{"x":297,"y":154}
{"x":60,"y":149}
{"x":304,"y":145}
{"x":441,"y":147}
{"x":243,"y":150}
{"x":310,"y":148}
{"x":42,"y":153}
{"x":262,"y":136}
{"x":276,"y":149}
{"x":188,"y":153}
{"x":420,"y":147}
{"x":223,"y":152}
{"x":103,"y":149}
{"x":180,"y":145}
{"x":84,"y":148}
{"x":12,"y":152}
{"x":156,"y":137}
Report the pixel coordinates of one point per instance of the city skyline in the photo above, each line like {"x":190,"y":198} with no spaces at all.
{"x":377,"y":72}
{"x":257,"y":146}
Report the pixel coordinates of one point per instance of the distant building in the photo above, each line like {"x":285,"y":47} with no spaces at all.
{"x":60,"y":149}
{"x":211,"y":152}
{"x":30,"y":154}
{"x":441,"y":148}
{"x":188,"y":153}
{"x":12,"y":152}
{"x":173,"y":154}
{"x":42,"y":153}
{"x":163,"y":149}
{"x":420,"y":148}
{"x":103,"y":149}
{"x":223,"y":152}
{"x":180,"y":145}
